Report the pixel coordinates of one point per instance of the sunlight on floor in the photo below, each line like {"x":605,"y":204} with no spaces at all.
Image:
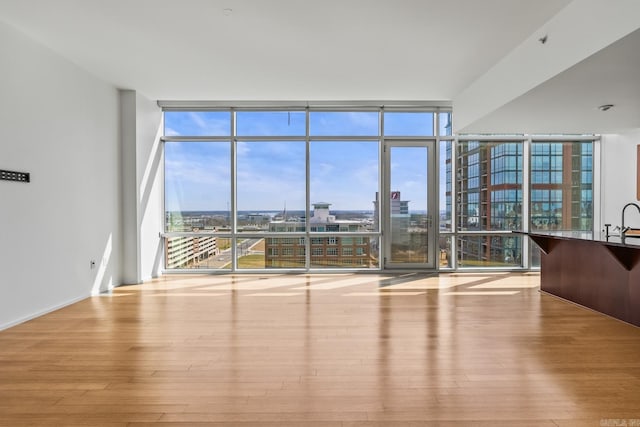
{"x":362,"y":285}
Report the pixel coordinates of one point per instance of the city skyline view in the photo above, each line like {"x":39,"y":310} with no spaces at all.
{"x":271,"y":174}
{"x":283,"y":160}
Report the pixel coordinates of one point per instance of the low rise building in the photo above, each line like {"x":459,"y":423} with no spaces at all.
{"x":326,"y":251}
{"x":188,"y":252}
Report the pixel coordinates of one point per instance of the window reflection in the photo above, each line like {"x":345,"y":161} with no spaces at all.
{"x":562,"y":186}
{"x":489,"y":183}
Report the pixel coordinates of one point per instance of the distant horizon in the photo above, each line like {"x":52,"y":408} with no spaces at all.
{"x":276,"y":211}
{"x":268,"y":211}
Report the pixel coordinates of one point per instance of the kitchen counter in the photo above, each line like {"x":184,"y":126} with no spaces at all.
{"x":603,"y":276}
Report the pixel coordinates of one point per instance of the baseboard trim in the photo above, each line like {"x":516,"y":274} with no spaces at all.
{"x":41,"y":313}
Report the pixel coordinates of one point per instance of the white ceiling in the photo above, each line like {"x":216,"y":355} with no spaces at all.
{"x":303,"y":50}
{"x":568,"y":102}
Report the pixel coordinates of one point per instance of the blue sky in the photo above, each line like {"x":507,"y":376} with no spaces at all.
{"x":272,"y":173}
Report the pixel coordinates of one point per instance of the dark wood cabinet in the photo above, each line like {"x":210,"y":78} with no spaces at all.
{"x":603,"y":276}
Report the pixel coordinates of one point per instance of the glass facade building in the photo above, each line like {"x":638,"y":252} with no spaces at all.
{"x":499,"y":189}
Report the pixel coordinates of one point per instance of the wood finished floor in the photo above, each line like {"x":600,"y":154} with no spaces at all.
{"x":323,"y":350}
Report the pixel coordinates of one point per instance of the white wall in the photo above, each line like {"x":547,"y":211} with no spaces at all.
{"x":130,"y":255}
{"x":142,"y":173}
{"x":60,"y":124}
{"x":150,"y":177}
{"x":618,"y":179}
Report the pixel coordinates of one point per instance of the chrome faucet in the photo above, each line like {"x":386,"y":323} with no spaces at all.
{"x":623,"y":229}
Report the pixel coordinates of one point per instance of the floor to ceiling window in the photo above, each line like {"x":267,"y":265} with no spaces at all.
{"x":303,"y":189}
{"x":499,"y":188}
{"x":253,"y":189}
{"x":489,"y":198}
{"x":561,"y":189}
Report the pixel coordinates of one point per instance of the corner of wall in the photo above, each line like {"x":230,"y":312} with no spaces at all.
{"x":142,"y":186}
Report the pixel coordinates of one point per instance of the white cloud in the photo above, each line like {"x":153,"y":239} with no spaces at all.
{"x":171,"y":132}
{"x":209,"y":126}
{"x":323,"y":169}
{"x":242,"y":148}
{"x":363,"y":120}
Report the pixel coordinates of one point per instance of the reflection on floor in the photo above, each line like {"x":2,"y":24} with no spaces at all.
{"x":322,"y":350}
{"x":384,"y":283}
